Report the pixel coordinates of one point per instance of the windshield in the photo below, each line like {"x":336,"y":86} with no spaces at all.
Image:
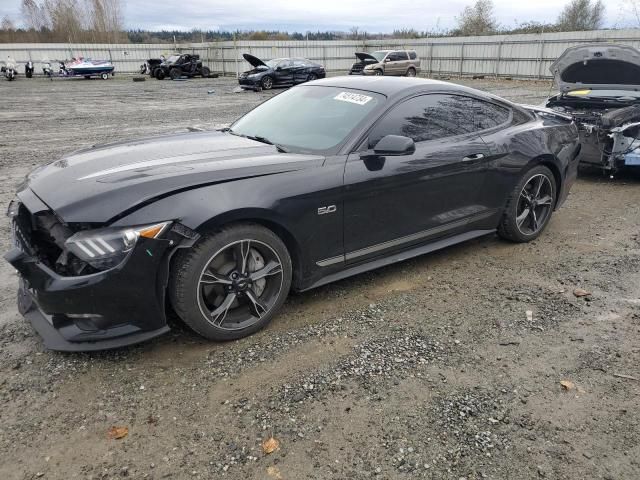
{"x":173,"y":59}
{"x":380,"y":55}
{"x":308,"y":118}
{"x":273,"y":63}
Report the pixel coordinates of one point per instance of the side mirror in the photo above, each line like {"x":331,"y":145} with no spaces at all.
{"x":394,"y":145}
{"x":278,"y":69}
{"x":387,"y":60}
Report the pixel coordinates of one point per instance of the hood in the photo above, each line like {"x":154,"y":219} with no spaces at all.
{"x":98,"y":184}
{"x":366,"y":57}
{"x":254,"y":61}
{"x":597,"y":66}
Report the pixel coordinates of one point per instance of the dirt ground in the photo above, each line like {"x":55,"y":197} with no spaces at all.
{"x":426,"y":369}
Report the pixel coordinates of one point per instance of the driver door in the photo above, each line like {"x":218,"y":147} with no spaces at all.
{"x":395,"y":202}
{"x":284,"y":73}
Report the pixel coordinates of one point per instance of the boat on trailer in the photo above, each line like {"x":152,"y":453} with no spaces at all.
{"x":85,"y":67}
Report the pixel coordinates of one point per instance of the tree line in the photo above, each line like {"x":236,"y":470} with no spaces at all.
{"x":101,"y":21}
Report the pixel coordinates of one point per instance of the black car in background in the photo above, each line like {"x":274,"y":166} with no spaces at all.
{"x":321,"y":182}
{"x":279,"y":72}
{"x":183,"y":65}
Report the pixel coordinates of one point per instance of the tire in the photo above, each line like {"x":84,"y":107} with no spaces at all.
{"x":411,"y":72}
{"x":104,"y":76}
{"x":517,"y":223}
{"x":312,"y":77}
{"x":218,"y":308}
{"x":266,"y":82}
{"x":160,"y":73}
{"x":205,"y":72}
{"x":379,"y":72}
{"x":175,"y":73}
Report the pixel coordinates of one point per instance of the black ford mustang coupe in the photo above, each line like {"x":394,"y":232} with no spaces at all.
{"x":326,"y":180}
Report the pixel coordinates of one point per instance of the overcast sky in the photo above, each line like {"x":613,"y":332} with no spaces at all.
{"x":303,"y":15}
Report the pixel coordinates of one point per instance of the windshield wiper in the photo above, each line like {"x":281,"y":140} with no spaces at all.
{"x":258,"y":138}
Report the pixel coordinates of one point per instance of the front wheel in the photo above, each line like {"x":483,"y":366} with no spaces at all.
{"x":529,"y":206}
{"x":160,"y":74}
{"x":231,"y":283}
{"x":379,"y":73}
{"x":267,"y":82}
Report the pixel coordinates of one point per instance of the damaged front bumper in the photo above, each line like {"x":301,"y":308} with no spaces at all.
{"x":110,"y":309}
{"x":91,"y":309}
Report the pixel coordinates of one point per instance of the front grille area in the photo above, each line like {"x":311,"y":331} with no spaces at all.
{"x":43,"y":236}
{"x":33,"y":237}
{"x":357,"y":67}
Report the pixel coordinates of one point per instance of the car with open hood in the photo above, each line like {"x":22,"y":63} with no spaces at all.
{"x":599,"y":86}
{"x":279,"y":72}
{"x":387,"y":62}
{"x":323,"y":181}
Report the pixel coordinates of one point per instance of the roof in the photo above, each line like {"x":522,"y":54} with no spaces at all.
{"x":389,"y":86}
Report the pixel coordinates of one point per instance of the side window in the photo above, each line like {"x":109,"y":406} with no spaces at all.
{"x":402,"y":55}
{"x":299,"y":63}
{"x":427,"y":117}
{"x":489,"y":115}
{"x":393,"y":57}
{"x":413,"y":55}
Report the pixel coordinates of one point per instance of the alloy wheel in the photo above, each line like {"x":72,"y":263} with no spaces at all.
{"x":240,"y":284}
{"x":267,"y":83}
{"x":534,"y":204}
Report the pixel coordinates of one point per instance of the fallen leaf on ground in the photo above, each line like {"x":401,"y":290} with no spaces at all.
{"x":270,"y":445}
{"x":567,"y":385}
{"x":273,"y":472}
{"x":117,"y":432}
{"x":579,"y":292}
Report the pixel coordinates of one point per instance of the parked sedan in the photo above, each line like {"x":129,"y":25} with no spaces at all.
{"x":279,"y":72}
{"x":321,"y":182}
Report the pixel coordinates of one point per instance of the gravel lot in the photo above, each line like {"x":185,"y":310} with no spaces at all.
{"x":426,"y":369}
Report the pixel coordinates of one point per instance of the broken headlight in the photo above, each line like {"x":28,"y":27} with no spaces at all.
{"x":105,"y":248}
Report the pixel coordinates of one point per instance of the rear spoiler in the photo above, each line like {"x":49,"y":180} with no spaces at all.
{"x":546,"y":111}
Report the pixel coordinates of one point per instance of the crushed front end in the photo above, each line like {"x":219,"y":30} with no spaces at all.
{"x":609,"y":131}
{"x":88,"y":287}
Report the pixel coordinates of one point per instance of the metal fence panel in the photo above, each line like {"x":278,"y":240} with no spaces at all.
{"x":517,"y":56}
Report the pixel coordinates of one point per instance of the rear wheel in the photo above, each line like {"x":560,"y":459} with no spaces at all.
{"x":104,"y":76}
{"x":411,"y":72}
{"x":232,"y":283}
{"x":312,"y":77}
{"x":205,"y":72}
{"x":175,"y":73}
{"x":529,"y":206}
{"x":267,"y":82}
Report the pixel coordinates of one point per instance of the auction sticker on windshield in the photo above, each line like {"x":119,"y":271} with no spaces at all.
{"x":356,"y":98}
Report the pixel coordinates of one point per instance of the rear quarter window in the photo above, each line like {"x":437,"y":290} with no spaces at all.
{"x":489,"y":115}
{"x":413,"y":55}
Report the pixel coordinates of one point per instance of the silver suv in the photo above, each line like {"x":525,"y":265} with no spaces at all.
{"x":387,"y":62}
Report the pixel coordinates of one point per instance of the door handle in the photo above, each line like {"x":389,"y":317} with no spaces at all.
{"x":475,"y":156}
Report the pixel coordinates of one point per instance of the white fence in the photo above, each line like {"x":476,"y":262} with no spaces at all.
{"x":517,"y":56}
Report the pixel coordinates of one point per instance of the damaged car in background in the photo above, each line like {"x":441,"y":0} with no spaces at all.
{"x":600,"y":88}
{"x":279,"y":72}
{"x":324,"y":181}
